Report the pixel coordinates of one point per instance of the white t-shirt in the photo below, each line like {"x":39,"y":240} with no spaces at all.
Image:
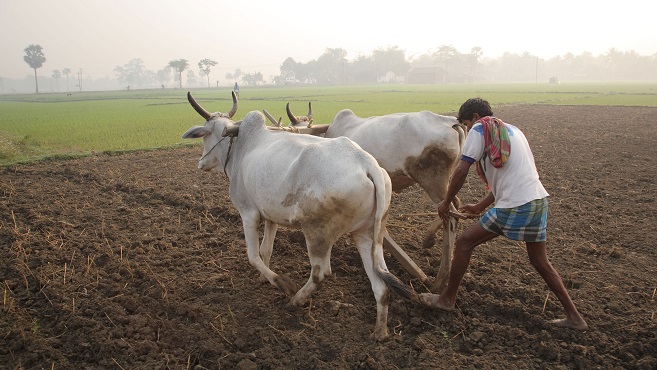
{"x":515,"y":183}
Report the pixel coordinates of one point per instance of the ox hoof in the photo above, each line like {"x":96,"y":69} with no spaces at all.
{"x":298,"y":301}
{"x":285,"y":284}
{"x":292,"y":308}
{"x":380,"y":335}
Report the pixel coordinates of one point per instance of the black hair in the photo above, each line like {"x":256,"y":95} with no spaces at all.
{"x":474,"y":105}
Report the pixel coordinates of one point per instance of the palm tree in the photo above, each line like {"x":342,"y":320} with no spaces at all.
{"x":236,"y":75}
{"x":179,"y":65}
{"x":66,"y":72}
{"x":613,"y":58}
{"x":35,"y":58}
{"x":56,"y":75}
{"x":204,"y":65}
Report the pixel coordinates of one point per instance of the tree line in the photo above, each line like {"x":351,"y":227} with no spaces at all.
{"x":444,"y":65}
{"x":448,"y":65}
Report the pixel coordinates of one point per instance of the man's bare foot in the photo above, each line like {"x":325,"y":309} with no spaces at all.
{"x":570,"y":324}
{"x":436,"y":301}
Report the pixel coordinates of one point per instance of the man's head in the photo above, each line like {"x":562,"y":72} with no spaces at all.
{"x":472,"y":110}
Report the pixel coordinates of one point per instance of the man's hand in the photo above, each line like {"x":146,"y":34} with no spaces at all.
{"x":474,"y":209}
{"x":443,"y":210}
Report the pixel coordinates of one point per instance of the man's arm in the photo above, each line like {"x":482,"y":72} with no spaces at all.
{"x":480,"y":206}
{"x":486,"y":201}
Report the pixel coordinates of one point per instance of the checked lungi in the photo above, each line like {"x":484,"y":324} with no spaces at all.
{"x":527,"y":222}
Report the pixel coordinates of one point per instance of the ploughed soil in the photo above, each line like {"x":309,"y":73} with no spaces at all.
{"x":138,"y":261}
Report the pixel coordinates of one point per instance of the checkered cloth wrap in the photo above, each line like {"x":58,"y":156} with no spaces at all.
{"x":527,"y":222}
{"x":497,"y":144}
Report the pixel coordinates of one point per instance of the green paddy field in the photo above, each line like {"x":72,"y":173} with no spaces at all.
{"x":62,"y":125}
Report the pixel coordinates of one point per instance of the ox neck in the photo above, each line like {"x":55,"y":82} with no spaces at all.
{"x":230,"y":146}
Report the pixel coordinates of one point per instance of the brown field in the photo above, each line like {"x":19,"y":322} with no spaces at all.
{"x":138,"y":261}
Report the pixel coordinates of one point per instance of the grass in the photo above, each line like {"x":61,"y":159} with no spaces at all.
{"x":60,"y":126}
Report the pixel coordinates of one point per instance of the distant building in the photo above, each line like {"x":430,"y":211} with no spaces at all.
{"x":426,"y":75}
{"x":390,"y":77}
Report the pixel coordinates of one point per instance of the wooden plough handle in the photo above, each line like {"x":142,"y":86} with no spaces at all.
{"x":459,"y":215}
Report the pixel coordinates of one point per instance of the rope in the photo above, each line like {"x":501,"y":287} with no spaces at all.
{"x":230,"y":146}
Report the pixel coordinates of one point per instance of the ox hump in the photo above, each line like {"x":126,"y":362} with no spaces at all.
{"x":344,"y":114}
{"x":253,"y":121}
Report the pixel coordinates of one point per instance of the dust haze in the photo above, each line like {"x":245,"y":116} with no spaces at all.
{"x":257,"y":36}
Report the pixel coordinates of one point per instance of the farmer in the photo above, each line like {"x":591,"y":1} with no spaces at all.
{"x":236,"y":89}
{"x":505,"y":163}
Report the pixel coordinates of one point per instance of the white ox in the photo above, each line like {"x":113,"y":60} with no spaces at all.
{"x":325,"y":187}
{"x":420,"y":147}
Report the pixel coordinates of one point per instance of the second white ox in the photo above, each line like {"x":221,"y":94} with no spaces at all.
{"x":325,"y":187}
{"x":419,"y":147}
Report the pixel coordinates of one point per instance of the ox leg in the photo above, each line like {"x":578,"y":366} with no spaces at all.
{"x":251,"y":235}
{"x":267,"y":245}
{"x":430,"y":236}
{"x":379,"y":287}
{"x":319,"y":252}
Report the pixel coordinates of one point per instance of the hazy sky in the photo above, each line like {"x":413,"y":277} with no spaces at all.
{"x":258,"y":35}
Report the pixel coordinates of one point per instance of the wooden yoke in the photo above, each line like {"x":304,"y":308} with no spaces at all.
{"x":314,"y":130}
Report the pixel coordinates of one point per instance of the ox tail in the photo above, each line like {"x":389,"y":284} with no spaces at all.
{"x":462,"y":133}
{"x":459,"y":128}
{"x":383,"y":194}
{"x":397,"y":285}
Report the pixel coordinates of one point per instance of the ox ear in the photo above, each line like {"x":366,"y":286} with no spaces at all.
{"x":196,"y":132}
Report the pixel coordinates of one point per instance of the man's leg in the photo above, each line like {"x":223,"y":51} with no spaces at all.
{"x":463,"y":248}
{"x":539,"y":259}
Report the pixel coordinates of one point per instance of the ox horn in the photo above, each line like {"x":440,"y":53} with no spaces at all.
{"x":197,"y":107}
{"x":310,"y":115}
{"x":290,"y":115}
{"x":234,"y":109}
{"x":205,"y":114}
{"x":297,"y":120}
